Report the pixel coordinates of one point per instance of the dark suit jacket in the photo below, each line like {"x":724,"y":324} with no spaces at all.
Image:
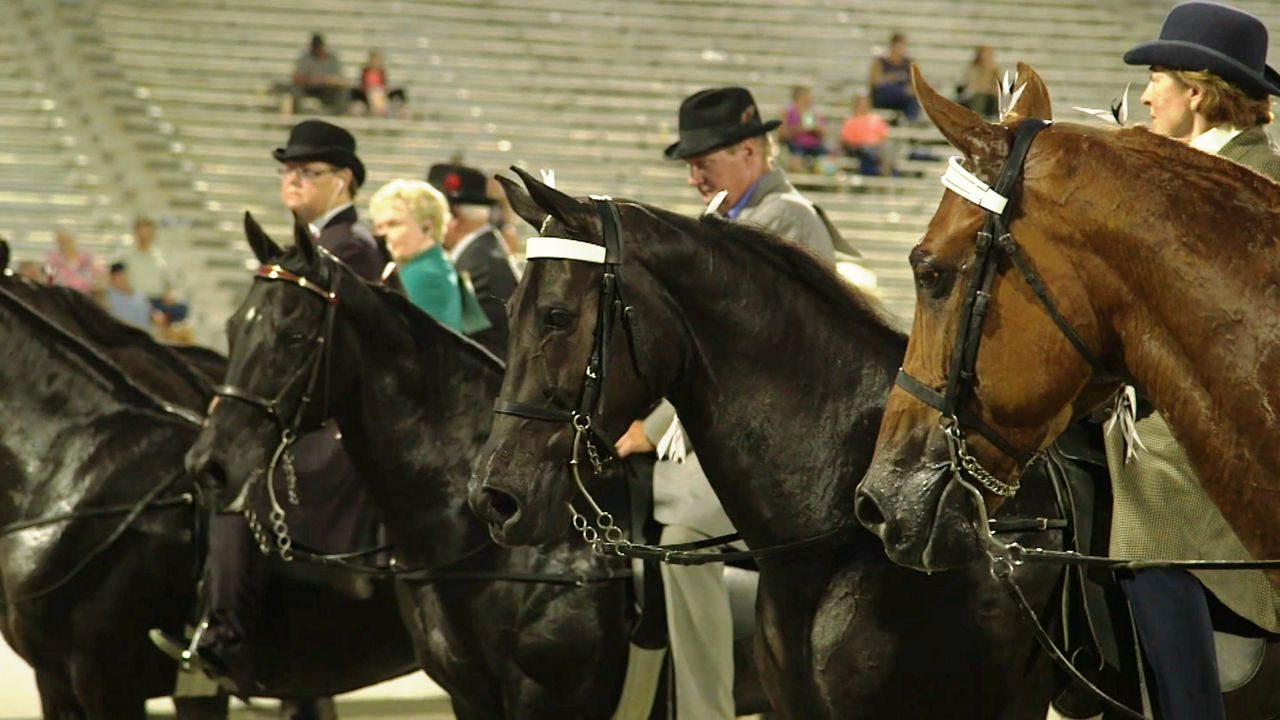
{"x":486,"y":262}
{"x":352,"y":243}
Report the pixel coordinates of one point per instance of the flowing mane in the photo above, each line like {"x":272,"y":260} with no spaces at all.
{"x":792,"y":260}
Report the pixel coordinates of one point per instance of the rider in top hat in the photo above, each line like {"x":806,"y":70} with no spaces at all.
{"x":1210,"y":87}
{"x":476,"y":248}
{"x":727,"y":148}
{"x":319,"y":176}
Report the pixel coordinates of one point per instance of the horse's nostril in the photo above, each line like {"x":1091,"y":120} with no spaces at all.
{"x":503,"y":505}
{"x":868,"y":512}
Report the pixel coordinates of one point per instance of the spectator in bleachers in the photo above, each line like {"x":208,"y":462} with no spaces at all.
{"x":151,"y":274}
{"x":863,"y":137}
{"x":803,"y":129}
{"x":890,"y":80}
{"x":124,"y":301}
{"x":411,"y":215}
{"x":72,"y":267}
{"x":317,"y":74}
{"x":476,"y":248}
{"x":981,"y":86}
{"x":374,"y":96}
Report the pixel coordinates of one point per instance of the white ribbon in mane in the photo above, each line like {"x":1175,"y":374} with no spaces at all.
{"x":672,"y":445}
{"x":1126,"y":413}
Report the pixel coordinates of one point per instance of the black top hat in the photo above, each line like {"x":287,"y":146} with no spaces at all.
{"x":319,"y":140}
{"x":460,"y":184}
{"x":715,"y":118}
{"x":1227,"y":42}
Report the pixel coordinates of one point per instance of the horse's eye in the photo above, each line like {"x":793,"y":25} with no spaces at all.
{"x":927,"y":278}
{"x":558,"y":319}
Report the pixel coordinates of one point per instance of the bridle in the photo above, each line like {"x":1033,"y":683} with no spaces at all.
{"x":612,"y":309}
{"x":316,"y":362}
{"x":992,"y":241}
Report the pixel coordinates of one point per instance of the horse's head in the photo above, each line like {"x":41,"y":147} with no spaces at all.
{"x":571,"y":387}
{"x":284,"y":372}
{"x":988,"y":379}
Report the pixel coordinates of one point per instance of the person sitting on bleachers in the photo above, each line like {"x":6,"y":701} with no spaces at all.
{"x":982,"y":83}
{"x":890,"y":80}
{"x":317,"y":74}
{"x":863,"y":137}
{"x":72,"y":267}
{"x":125,"y":302}
{"x":374,"y":96}
{"x":802,"y":129}
{"x":151,"y":274}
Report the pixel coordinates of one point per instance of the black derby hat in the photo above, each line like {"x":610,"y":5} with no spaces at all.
{"x":1227,"y":42}
{"x":460,"y":184}
{"x":715,"y":118}
{"x":326,"y":142}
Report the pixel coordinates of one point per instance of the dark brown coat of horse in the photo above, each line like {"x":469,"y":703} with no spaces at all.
{"x":1162,"y":258}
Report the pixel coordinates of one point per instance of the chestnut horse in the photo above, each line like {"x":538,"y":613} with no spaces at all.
{"x":1163,"y":263}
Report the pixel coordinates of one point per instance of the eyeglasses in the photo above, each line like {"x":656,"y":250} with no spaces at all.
{"x":305,"y":173}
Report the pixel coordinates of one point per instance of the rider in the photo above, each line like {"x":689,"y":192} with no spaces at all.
{"x":319,"y":176}
{"x":726,"y":147}
{"x":1209,"y":88}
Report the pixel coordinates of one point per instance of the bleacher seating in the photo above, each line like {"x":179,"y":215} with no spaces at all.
{"x":589,"y":89}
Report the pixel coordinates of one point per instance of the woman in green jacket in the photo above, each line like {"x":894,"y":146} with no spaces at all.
{"x":411,"y":215}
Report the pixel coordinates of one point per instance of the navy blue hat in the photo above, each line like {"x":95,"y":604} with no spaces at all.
{"x":460,"y":184}
{"x":324,"y":142}
{"x":1227,"y":42}
{"x":715,"y":118}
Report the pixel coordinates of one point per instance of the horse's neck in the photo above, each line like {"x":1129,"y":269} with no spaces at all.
{"x":1203,"y":348}
{"x":419,"y":417}
{"x":67,"y":430}
{"x":781,"y":393}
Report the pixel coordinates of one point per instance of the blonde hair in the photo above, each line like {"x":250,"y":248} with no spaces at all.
{"x":1224,"y":103}
{"x":424,"y":204}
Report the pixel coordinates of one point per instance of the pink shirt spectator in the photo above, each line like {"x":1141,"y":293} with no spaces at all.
{"x":867,"y":130}
{"x":803,"y":125}
{"x":74,"y":268}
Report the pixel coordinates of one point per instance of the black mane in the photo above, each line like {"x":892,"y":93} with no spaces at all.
{"x":791,"y":259}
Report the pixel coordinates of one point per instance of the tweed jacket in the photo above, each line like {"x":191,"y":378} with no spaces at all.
{"x":778,"y":207}
{"x":1161,"y":511}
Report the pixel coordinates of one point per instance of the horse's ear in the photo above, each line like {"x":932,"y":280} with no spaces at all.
{"x":522,"y":202}
{"x":263,"y":246}
{"x":1033,"y":100}
{"x":979,"y":140}
{"x":306,"y":245}
{"x":4,"y":254}
{"x":562,"y":207}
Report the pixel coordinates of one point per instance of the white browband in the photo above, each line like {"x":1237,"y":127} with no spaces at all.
{"x":968,"y":186}
{"x":563,"y":249}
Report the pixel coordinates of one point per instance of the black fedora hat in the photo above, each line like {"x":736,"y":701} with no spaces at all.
{"x":326,"y":142}
{"x":460,"y":184}
{"x":1227,"y":42}
{"x":715,"y":118}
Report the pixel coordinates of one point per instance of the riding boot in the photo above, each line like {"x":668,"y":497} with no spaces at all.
{"x":1172,"y":619}
{"x":237,"y":574}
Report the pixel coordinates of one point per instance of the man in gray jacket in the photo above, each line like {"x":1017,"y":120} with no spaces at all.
{"x":727,"y":148}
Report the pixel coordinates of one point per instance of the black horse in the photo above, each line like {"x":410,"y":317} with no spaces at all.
{"x":501,"y":630}
{"x":97,"y":416}
{"x":779,"y":372}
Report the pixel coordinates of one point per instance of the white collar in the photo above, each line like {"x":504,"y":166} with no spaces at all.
{"x":324,"y":219}
{"x":1213,"y":139}
{"x":466,"y":241}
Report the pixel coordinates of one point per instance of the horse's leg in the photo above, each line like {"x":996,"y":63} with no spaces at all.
{"x":213,"y":707}
{"x":105,"y":693}
{"x":309,"y":709}
{"x":57,"y":699}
